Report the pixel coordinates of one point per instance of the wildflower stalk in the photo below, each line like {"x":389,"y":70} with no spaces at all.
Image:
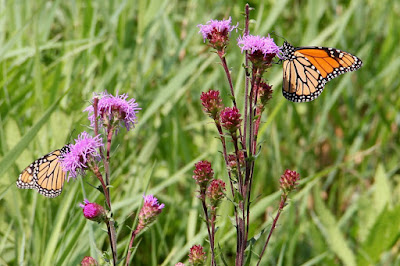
{"x":110,"y":222}
{"x":246,"y":67}
{"x":110,"y":132}
{"x":147,"y":215}
{"x":228,"y":76}
{"x":210,"y":230}
{"x":225,"y":155}
{"x":128,"y":256}
{"x":259,"y":51}
{"x":281,"y":206}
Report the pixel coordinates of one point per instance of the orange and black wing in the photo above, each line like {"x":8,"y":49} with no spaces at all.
{"x":45,"y":174}
{"x":306,"y":70}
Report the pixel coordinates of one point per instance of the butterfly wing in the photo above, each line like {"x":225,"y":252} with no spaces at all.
{"x":45,"y":174}
{"x":306,"y":70}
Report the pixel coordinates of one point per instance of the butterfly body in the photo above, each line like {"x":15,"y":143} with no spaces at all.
{"x":45,"y":174}
{"x":306,"y":70}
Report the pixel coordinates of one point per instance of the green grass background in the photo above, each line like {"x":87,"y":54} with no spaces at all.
{"x":345,"y":145}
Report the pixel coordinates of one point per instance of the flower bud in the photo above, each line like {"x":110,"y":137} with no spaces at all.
{"x":149,"y":212}
{"x":89,"y":261}
{"x":93,"y":211}
{"x":212,"y":103}
{"x":197,"y":256}
{"x":230,"y":119}
{"x":215,"y":192}
{"x":288,"y":181}
{"x":203,"y":173}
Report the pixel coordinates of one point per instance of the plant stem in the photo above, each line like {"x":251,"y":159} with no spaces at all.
{"x":110,"y":223}
{"x":210,"y":231}
{"x":128,"y":256}
{"x":281,"y":206}
{"x":228,"y":76}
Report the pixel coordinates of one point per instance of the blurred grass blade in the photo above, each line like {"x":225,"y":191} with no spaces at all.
{"x":331,"y":232}
{"x":13,"y":154}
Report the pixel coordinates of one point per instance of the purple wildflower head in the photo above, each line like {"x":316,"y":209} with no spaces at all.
{"x":217,"y":32}
{"x":112,"y":109}
{"x":150,"y":210}
{"x":261,"y":49}
{"x":83,"y":151}
{"x":93,"y":211}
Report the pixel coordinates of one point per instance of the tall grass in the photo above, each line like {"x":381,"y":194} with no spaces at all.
{"x":345,"y":145}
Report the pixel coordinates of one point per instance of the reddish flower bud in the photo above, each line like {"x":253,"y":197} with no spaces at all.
{"x":197,"y":256}
{"x":212,"y":103}
{"x":203,"y":173}
{"x":93,"y":211}
{"x":232,"y":161}
{"x":289,"y":180}
{"x":89,"y":261}
{"x":264,"y":92}
{"x":230,"y":119}
{"x":215,"y":191}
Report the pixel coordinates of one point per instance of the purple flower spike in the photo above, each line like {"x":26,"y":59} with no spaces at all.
{"x":217,"y":32}
{"x":150,"y":210}
{"x":84,"y":149}
{"x":222,"y":26}
{"x":115,"y":108}
{"x":259,"y":46}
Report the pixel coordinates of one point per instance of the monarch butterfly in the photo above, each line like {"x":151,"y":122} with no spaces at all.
{"x":306,"y":70}
{"x":45,"y":174}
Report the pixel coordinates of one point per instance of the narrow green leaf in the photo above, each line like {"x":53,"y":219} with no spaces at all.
{"x":331,"y":232}
{"x":13,"y":154}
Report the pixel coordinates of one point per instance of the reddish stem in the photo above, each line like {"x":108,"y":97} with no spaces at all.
{"x":110,"y":223}
{"x":210,"y":231}
{"x":281,"y":206}
{"x":133,"y":236}
{"x":228,"y":75}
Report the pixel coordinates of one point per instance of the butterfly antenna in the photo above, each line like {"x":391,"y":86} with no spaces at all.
{"x":277,"y":35}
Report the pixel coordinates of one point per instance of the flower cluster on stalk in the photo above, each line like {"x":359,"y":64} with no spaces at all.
{"x":261,"y":50}
{"x":217,"y":32}
{"x":241,"y":129}
{"x":113,"y":110}
{"x":81,"y":154}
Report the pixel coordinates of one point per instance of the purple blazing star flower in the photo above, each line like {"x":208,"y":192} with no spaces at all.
{"x":217,"y":32}
{"x":150,"y":210}
{"x":259,"y":46}
{"x":115,"y":108}
{"x":84,"y":149}
{"x":222,"y":26}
